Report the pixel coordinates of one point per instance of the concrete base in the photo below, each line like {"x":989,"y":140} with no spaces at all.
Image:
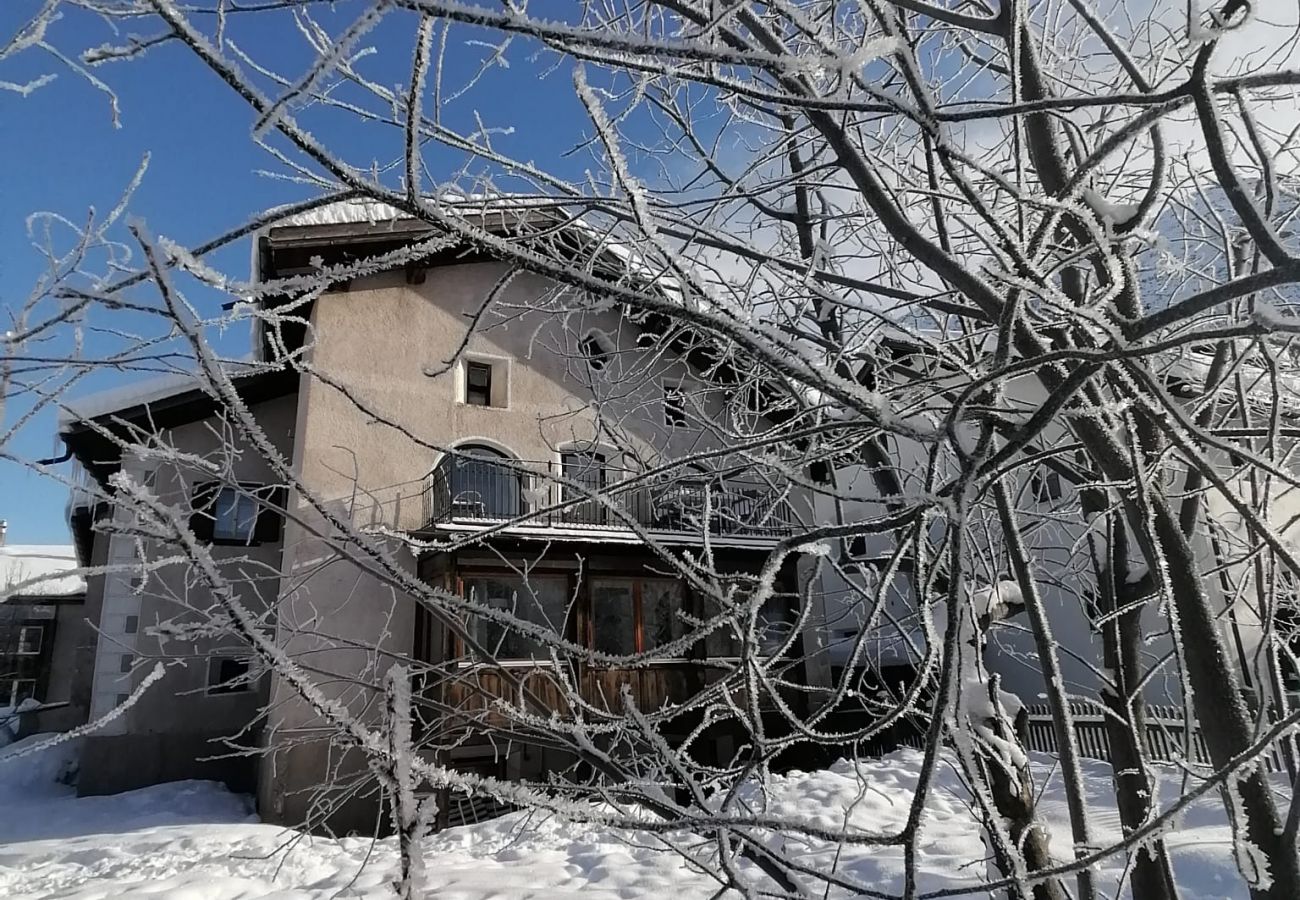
{"x":111,"y":764}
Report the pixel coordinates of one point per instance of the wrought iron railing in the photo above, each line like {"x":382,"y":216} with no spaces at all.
{"x":469,"y":489}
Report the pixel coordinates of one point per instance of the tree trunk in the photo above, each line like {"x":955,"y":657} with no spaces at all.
{"x":1153,"y":875}
{"x":1013,"y":796}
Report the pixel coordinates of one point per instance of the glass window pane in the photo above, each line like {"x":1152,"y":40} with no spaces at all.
{"x":775,"y":622}
{"x":538,"y":601}
{"x":235,"y":515}
{"x":612,"y":617}
{"x":29,"y":639}
{"x":722,"y":643}
{"x":661,"y":604}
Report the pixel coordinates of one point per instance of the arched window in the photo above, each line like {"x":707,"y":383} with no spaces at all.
{"x":482,"y":483}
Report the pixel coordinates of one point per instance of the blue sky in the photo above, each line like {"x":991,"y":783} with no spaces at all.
{"x":60,"y":152}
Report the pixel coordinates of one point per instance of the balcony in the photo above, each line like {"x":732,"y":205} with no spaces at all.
{"x":483,"y":489}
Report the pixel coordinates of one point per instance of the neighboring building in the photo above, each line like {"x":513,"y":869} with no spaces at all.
{"x":1057,"y":539}
{"x":361,"y":434}
{"x":45,"y":639}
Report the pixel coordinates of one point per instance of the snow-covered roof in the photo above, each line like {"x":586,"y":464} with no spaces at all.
{"x":122,"y":397}
{"x":125,"y":396}
{"x":343,"y":212}
{"x":39,"y":570}
{"x":365,"y":211}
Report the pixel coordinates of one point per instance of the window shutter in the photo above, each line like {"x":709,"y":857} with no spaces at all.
{"x":271,"y":500}
{"x":201,"y":502}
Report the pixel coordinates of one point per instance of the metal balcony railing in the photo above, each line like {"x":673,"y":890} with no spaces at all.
{"x":480,"y":489}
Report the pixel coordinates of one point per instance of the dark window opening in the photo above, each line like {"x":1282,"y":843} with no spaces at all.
{"x":661,"y":614}
{"x":1046,"y":486}
{"x":613,"y":617}
{"x":228,"y":675}
{"x":236,"y":514}
{"x":537,"y":601}
{"x":597,"y":354}
{"x":478,"y":384}
{"x":30,"y":639}
{"x":132,"y":625}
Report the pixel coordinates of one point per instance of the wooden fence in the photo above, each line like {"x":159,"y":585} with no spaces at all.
{"x":1168,"y":736}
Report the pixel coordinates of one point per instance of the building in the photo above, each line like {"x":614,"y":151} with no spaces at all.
{"x":46,"y":641}
{"x":392,"y":425}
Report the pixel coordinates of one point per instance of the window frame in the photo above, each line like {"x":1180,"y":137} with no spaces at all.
{"x":13,"y":691}
{"x":243,"y":511}
{"x":466,"y":658}
{"x":472,"y":366}
{"x":236,"y":684}
{"x":40,"y":640}
{"x":268,"y":520}
{"x":741,"y":597}
{"x":638,"y":592}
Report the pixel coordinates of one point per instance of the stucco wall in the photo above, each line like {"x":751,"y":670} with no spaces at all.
{"x":389,"y":344}
{"x":370,"y":434}
{"x":172,"y":597}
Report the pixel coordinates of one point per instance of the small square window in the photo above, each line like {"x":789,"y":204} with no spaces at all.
{"x":30,"y":638}
{"x":121,"y":699}
{"x":132,"y":625}
{"x":674,"y":405}
{"x":228,"y":675}
{"x":478,"y":384}
{"x":126,"y":662}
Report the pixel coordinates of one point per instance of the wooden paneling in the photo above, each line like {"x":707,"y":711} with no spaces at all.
{"x":473,"y":691}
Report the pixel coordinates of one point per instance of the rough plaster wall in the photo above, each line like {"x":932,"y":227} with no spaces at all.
{"x":179,"y":703}
{"x":410,"y":384}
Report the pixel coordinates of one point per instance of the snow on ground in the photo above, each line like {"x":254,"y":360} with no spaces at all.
{"x":194,"y":840}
